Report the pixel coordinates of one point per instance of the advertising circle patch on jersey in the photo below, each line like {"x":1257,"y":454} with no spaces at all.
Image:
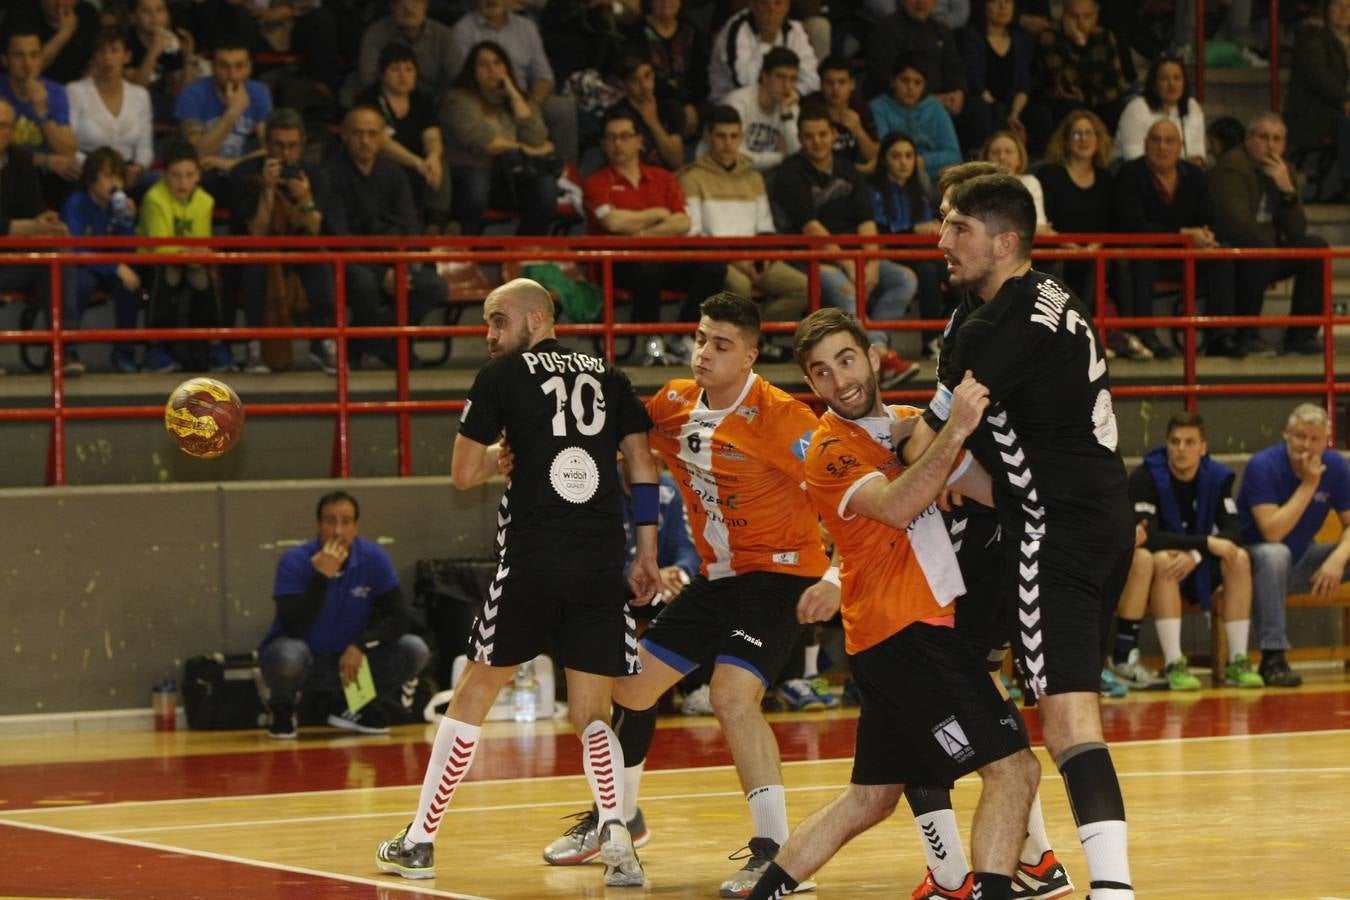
{"x":574,"y":475}
{"x":1104,"y":421}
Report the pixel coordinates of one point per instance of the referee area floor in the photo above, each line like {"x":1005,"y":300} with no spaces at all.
{"x":1228,"y":794}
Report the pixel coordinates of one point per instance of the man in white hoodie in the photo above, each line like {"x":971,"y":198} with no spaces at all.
{"x":726,"y":197}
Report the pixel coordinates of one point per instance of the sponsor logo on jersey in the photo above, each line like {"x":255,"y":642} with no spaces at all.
{"x":361,"y":591}
{"x":786,"y":557}
{"x":574,"y":475}
{"x":749,"y":412}
{"x":843,"y":466}
{"x":672,"y":395}
{"x":1049,"y":306}
{"x":800,"y":445}
{"x":752,"y":640}
{"x":1230,"y":506}
{"x":951,"y":737}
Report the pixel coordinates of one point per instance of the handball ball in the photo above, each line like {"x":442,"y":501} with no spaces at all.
{"x":204,"y":417}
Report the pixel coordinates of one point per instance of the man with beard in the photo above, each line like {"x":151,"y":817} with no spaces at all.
{"x":899,"y":578}
{"x":1049,"y":445}
{"x":560,"y":575}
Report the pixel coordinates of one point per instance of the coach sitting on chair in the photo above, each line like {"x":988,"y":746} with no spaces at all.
{"x":338,"y":604}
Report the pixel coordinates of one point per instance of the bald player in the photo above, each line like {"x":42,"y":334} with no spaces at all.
{"x":560,"y":577}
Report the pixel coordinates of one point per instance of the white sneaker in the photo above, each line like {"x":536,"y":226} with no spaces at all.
{"x":1254,"y":59}
{"x":1135,"y":675}
{"x":622,"y":868}
{"x":253,"y":363}
{"x":697,"y":702}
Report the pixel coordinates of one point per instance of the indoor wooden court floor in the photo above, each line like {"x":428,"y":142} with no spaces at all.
{"x":1229,"y":794}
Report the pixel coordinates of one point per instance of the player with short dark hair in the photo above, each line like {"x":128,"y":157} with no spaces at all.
{"x":736,"y":446}
{"x":1049,"y":443}
{"x":900,"y":578}
{"x":560,"y":575}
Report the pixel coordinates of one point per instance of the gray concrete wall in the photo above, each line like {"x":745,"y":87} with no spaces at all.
{"x":108,"y":589}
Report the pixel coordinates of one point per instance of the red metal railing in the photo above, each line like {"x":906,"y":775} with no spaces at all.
{"x":604,"y":253}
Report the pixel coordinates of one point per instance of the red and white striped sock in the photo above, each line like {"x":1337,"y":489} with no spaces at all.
{"x":451,"y":756}
{"x":603,"y":759}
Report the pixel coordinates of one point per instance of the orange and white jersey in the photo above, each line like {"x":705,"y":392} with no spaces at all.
{"x":740,"y":471}
{"x":889,"y":578}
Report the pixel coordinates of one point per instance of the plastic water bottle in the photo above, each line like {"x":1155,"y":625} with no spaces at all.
{"x":121,"y":210}
{"x":525,"y":693}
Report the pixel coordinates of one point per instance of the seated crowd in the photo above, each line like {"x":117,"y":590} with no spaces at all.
{"x":668,"y":117}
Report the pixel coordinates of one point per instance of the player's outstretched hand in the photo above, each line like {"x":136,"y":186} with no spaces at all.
{"x":644,"y":577}
{"x":969,"y":401}
{"x":818,"y":603}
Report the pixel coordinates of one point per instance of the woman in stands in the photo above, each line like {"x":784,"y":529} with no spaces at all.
{"x":998,"y":55}
{"x":1318,"y":109}
{"x":1167,"y":95}
{"x":902,"y":204}
{"x":106,"y":110}
{"x":1006,"y":150}
{"x":414,"y":138}
{"x":498,"y":146}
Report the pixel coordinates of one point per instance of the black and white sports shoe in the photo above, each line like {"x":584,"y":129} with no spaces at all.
{"x":417,"y":861}
{"x":283,"y":723}
{"x":369,"y":719}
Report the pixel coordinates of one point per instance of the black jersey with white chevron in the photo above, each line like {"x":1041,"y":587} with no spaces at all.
{"x":1049,"y":436}
{"x":564,"y":415}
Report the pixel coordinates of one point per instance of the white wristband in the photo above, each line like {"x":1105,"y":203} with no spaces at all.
{"x":831,"y":575}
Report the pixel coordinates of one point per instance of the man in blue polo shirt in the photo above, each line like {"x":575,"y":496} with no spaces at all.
{"x":222,"y":114}
{"x":338,"y":604}
{"x":1286,"y":493}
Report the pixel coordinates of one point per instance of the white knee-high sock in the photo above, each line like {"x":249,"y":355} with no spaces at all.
{"x":941,"y":835}
{"x":632,"y":780}
{"x":1237,"y":637}
{"x":1037,"y":842}
{"x":603,"y":760}
{"x":451,"y":756}
{"x":1169,"y":637}
{"x":768,"y":809}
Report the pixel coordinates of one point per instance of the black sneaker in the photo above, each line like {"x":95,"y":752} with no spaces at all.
{"x":1224,"y":345}
{"x":1275,"y":672}
{"x":1303,"y":345}
{"x":283,"y":723}
{"x":1156,"y":345}
{"x":762,"y":850}
{"x":1254,"y":346}
{"x":369,"y":719}
{"x":417,"y":861}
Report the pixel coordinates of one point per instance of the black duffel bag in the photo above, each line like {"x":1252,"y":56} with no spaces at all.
{"x":223,"y":691}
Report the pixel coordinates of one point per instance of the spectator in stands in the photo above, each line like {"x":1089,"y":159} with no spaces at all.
{"x":1167,"y":95}
{"x":518,"y":37}
{"x":855,"y":128}
{"x":1318,"y":108}
{"x":339,"y":608}
{"x":909,"y":108}
{"x":952,"y":13}
{"x":499,"y":149}
{"x":739,"y":48}
{"x":678,"y":50}
{"x":726,"y":197}
{"x":23,"y":211}
{"x":372,"y":197}
{"x":42,"y":110}
{"x":1006,"y":150}
{"x":1183,"y":502}
{"x":414,"y":135}
{"x":584,"y":40}
{"x":913,"y":34}
{"x":1078,"y":193}
{"x":222,"y":114}
{"x":176,"y":206}
{"x":306,"y":28}
{"x":660,"y":120}
{"x":627,"y":197}
{"x":1235,"y":28}
{"x":1078,"y":65}
{"x":1163,"y":193}
{"x":768,"y":111}
{"x":902,"y":204}
{"x":1257,"y":204}
{"x":815,"y":193}
{"x":106,"y":110}
{"x":163,"y":58}
{"x":1287,"y":492}
{"x":277,"y":194}
{"x":66,"y":29}
{"x":93,"y":212}
{"x":439,"y":57}
{"x":998,"y":55}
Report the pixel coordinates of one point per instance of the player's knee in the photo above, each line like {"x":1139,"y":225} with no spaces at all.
{"x":1242,"y":561}
{"x":735,"y":699}
{"x":1018,"y":773}
{"x":1142,"y":564}
{"x":873,"y":803}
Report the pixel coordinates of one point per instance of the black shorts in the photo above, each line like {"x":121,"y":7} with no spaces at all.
{"x":984,"y":611}
{"x":1065,"y":596}
{"x":747,"y":620}
{"x":930,"y":714}
{"x":581,"y":615}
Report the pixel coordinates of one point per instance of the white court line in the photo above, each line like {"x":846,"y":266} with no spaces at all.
{"x":136,"y":804}
{"x":968,"y":781}
{"x":393,"y":884}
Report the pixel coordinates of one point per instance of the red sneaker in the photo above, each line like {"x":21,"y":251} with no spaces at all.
{"x":895,"y":369}
{"x":1045,"y":879}
{"x":931,"y":890}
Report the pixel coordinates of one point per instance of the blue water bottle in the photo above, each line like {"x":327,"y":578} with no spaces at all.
{"x":122,"y":217}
